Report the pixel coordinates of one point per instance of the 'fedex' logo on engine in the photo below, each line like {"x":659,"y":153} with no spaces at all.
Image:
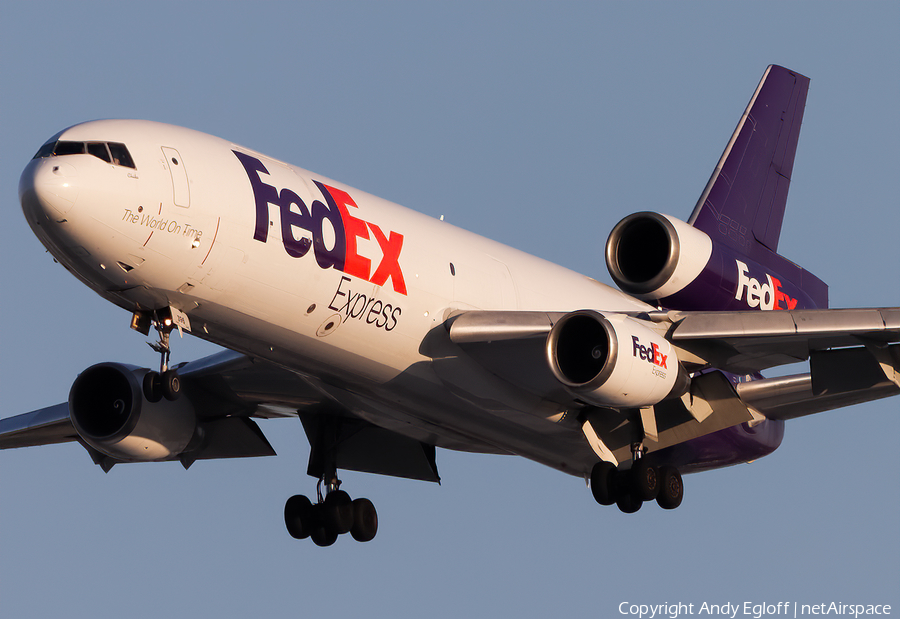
{"x":767,"y":296}
{"x":299,"y":222}
{"x":649,"y":353}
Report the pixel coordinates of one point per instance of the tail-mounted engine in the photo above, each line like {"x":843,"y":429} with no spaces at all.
{"x":613,"y":360}
{"x":653,"y":256}
{"x":110,"y":412}
{"x":661,"y":259}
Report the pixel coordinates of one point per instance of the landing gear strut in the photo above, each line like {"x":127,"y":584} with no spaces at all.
{"x":165,"y":383}
{"x":331,"y":516}
{"x":333,"y":513}
{"x":630,"y":489}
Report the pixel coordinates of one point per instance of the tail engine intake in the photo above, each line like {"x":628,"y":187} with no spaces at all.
{"x":653,"y":256}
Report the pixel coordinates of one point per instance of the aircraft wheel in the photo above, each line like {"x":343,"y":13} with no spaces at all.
{"x":171,"y":385}
{"x":322,"y":536}
{"x":644,"y":480}
{"x":602,"y":483}
{"x":338,"y":512}
{"x":298,"y":512}
{"x":671,"y":488}
{"x":152,"y":387}
{"x":365,"y":520}
{"x":628,"y":503}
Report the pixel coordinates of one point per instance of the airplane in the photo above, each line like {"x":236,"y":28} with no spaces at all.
{"x":390,"y":334}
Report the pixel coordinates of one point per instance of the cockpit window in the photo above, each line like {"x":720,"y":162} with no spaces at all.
{"x":98,"y":149}
{"x":120,"y":154}
{"x":45,"y":151}
{"x":68,"y":148}
{"x":110,"y":152}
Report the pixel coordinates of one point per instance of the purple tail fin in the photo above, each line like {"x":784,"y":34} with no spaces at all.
{"x":742,"y":206}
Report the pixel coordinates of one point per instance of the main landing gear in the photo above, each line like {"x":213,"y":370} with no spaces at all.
{"x":331,"y":516}
{"x":629,"y":489}
{"x":334,"y":513}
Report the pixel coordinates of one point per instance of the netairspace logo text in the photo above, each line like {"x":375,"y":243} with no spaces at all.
{"x":752,"y":609}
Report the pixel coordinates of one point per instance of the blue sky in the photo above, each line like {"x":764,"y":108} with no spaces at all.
{"x":540,"y":125}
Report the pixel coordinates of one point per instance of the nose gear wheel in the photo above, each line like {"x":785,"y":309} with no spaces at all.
{"x":165,"y":383}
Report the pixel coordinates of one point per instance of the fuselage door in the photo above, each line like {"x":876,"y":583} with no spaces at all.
{"x":180,"y":188}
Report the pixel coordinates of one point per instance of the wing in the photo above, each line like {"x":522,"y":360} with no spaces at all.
{"x":41,"y":427}
{"x":853,"y":356}
{"x":227,"y":391}
{"x":222,"y":413}
{"x":746,"y":342}
{"x":736,"y":342}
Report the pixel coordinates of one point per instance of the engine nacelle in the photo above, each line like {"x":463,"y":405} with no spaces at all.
{"x":653,"y":256}
{"x":613,"y":360}
{"x":110,"y":412}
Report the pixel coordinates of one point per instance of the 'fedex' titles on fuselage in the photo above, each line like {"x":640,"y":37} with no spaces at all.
{"x":297,"y":218}
{"x":767,"y":296}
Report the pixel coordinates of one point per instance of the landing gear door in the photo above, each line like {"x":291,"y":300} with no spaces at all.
{"x":181,"y":192}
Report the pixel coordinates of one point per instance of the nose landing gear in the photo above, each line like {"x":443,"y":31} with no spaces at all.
{"x":165,"y":383}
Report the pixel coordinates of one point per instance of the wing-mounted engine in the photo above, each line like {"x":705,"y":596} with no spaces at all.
{"x":113,"y":418}
{"x":112,"y":415}
{"x":661,"y":259}
{"x":613,"y":361}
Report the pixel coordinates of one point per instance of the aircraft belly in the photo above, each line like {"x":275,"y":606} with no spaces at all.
{"x":400,"y":372}
{"x":413,"y":405}
{"x":414,"y":400}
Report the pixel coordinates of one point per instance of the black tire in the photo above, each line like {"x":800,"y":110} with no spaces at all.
{"x":628,"y":503}
{"x":621,"y":483}
{"x":644,"y":480}
{"x":152,"y":387}
{"x":671,"y":488}
{"x":171,"y":385}
{"x":323,"y":536}
{"x":298,"y":512}
{"x":602,"y":483}
{"x":338,"y":512}
{"x":365,"y":520}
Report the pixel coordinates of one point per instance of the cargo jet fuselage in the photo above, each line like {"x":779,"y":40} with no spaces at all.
{"x":389,"y":333}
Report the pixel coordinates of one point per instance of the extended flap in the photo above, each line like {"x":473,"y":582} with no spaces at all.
{"x":714,"y":405}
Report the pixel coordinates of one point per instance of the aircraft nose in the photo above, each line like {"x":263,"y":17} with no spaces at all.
{"x":49,"y":187}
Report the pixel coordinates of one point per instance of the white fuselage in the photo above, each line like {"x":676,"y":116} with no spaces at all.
{"x":254,"y":259}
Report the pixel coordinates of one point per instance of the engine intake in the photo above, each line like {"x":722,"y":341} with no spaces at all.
{"x":653,"y":256}
{"x":613,"y":360}
{"x":111,"y":414}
